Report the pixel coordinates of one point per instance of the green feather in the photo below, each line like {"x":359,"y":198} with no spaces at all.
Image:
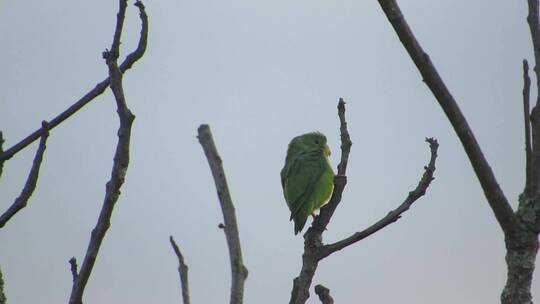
{"x":307,"y":177}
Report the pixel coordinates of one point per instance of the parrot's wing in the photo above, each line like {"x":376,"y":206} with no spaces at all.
{"x":300,"y":180}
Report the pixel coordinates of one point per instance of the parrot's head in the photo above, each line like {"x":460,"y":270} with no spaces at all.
{"x":312,"y":141}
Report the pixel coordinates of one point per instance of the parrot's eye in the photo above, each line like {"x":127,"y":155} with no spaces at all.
{"x":316,"y":141}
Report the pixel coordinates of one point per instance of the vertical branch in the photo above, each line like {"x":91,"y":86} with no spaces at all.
{"x":1,"y":152}
{"x":341,"y":179}
{"x":534,"y":28}
{"x":238,"y":270}
{"x":31,"y":181}
{"x":313,"y":236}
{"x":3,"y":299}
{"x":532,"y":19}
{"x":120,"y":162}
{"x":182,"y":271}
{"x":527,"y":121}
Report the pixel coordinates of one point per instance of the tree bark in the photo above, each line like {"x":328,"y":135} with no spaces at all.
{"x":3,"y":299}
{"x":520,"y":259}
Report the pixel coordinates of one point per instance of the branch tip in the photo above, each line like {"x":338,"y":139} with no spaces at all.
{"x":182,"y":271}
{"x":31,"y":180}
{"x":73,"y":268}
{"x":324,"y":294}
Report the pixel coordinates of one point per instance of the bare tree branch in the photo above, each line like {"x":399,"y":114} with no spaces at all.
{"x":522,"y":227}
{"x":314,"y":249}
{"x":324,"y":294}
{"x":534,"y":28}
{"x":238,"y":271}
{"x":393,"y":215}
{"x":182,"y":271}
{"x":534,"y":186}
{"x":120,"y":162}
{"x":494,"y":194}
{"x":96,"y":91}
{"x":73,"y":268}
{"x":313,"y":236}
{"x":340,"y":181}
{"x":1,"y":152}
{"x":3,"y":299}
{"x":31,"y":181}
{"x":527,"y":120}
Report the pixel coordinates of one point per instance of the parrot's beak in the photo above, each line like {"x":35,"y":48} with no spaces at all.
{"x":327,"y":150}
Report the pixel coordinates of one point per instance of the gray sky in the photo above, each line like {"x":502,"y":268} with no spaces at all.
{"x":260,"y":73}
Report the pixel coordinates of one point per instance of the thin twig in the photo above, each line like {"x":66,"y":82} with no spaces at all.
{"x":494,"y":194}
{"x":527,"y":120}
{"x":324,"y":294}
{"x":73,"y":268}
{"x":31,"y":181}
{"x":238,"y":270}
{"x":393,"y":215}
{"x":96,"y":91}
{"x":120,"y":162}
{"x":182,"y":271}
{"x":1,"y":152}
{"x":533,"y":186}
{"x":534,"y":28}
{"x":313,"y":236}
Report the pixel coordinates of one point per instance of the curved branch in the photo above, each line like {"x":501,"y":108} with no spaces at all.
{"x":31,"y":181}
{"x":393,"y":215}
{"x":182,"y":271}
{"x":96,"y":91}
{"x":494,"y":194}
{"x":239,"y":272}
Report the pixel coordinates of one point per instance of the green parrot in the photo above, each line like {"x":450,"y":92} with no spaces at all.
{"x":307,"y":177}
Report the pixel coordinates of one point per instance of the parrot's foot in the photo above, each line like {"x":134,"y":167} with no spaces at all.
{"x":315,"y":217}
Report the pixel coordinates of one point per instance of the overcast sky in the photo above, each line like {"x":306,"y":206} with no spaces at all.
{"x":260,"y":73}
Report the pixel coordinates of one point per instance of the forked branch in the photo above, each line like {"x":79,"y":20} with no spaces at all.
{"x":121,"y":156}
{"x":92,"y":94}
{"x":393,"y":215}
{"x":315,"y":250}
